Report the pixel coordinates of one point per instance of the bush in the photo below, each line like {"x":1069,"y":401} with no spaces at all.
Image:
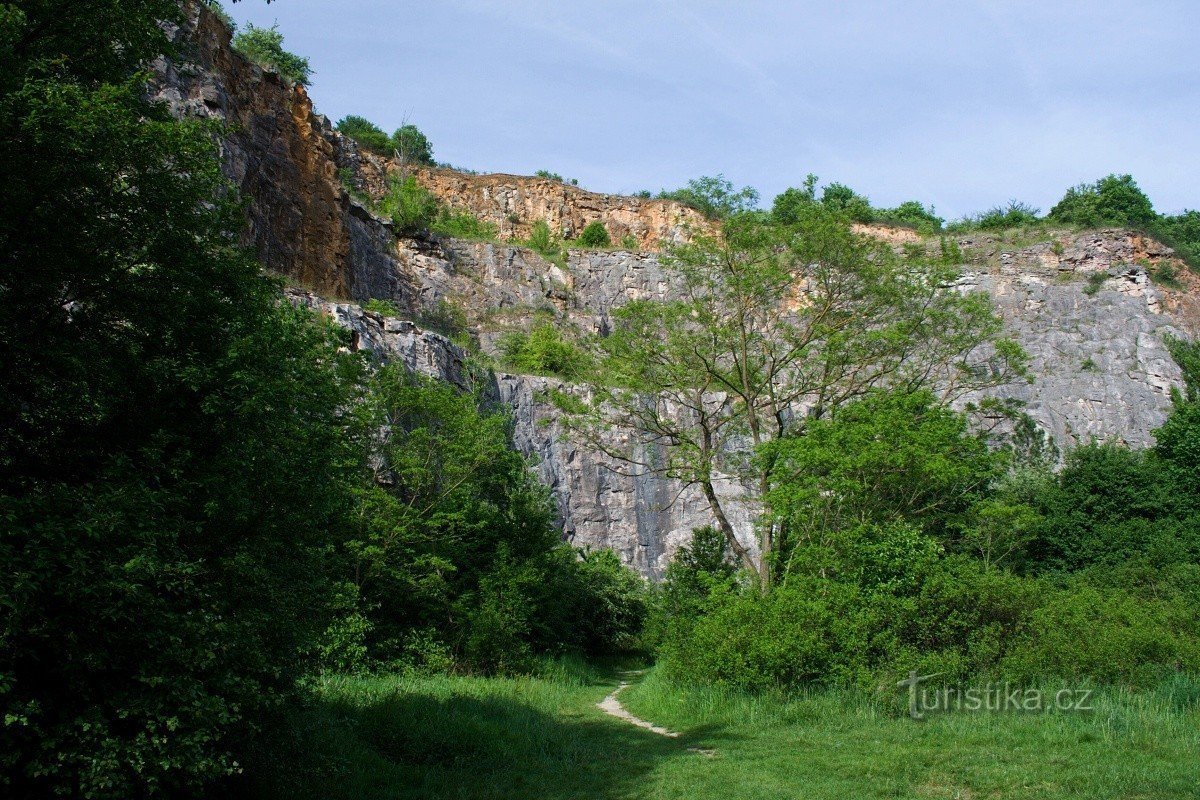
{"x":1111,"y":636}
{"x":264,"y":46}
{"x":464,"y":225}
{"x":714,"y":197}
{"x":594,"y":234}
{"x":803,"y":633}
{"x":446,"y":318}
{"x":611,"y":603}
{"x":409,"y":205}
{"x":911,"y":214}
{"x":368,"y":135}
{"x":545,"y":351}
{"x":1014,"y":215}
{"x":545,"y":243}
{"x":412,"y":146}
{"x":1112,"y":200}
{"x":844,"y":200}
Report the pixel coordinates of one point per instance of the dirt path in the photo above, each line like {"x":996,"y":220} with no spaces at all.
{"x":612,"y":706}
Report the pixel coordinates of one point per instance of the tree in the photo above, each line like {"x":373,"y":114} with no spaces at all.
{"x":412,"y":146}
{"x":264,"y":46}
{"x":886,"y":458}
{"x":410,"y":206}
{"x":1112,"y":200}
{"x":775,"y":326}
{"x":174,"y":451}
{"x":366,"y":133}
{"x":594,"y":234}
{"x":714,"y":197}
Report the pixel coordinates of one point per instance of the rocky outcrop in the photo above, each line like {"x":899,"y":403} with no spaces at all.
{"x":279,"y":154}
{"x":513,"y":203}
{"x":1092,"y":309}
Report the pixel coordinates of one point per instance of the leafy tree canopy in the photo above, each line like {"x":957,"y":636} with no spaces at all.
{"x":264,"y":46}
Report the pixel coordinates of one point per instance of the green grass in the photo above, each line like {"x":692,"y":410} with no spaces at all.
{"x":543,"y":737}
{"x":834,"y":745}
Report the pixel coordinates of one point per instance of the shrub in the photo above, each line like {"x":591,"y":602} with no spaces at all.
{"x":630,"y":242}
{"x":1095,"y":282}
{"x":409,"y":205}
{"x":594,"y":234}
{"x":1181,"y":232}
{"x":412,"y":146}
{"x":1112,"y":200}
{"x":545,"y":351}
{"x":611,"y":603}
{"x":913,"y":214}
{"x":1081,"y":632}
{"x":803,"y":633}
{"x":463,"y":225}
{"x":366,"y":133}
{"x":548,"y":175}
{"x":844,"y":200}
{"x":714,"y":197}
{"x":545,"y":243}
{"x":1014,"y":215}
{"x":387,"y":308}
{"x":445,"y":317}
{"x":264,"y":46}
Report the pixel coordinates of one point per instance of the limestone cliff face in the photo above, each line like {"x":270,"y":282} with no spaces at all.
{"x":277,"y":151}
{"x":1100,"y":367}
{"x":513,"y":203}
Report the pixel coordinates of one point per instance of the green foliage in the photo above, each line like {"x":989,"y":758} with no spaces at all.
{"x":1014,"y":215}
{"x":613,"y":603}
{"x":455,"y":556}
{"x":714,"y":197}
{"x":546,"y":243}
{"x":548,"y":175}
{"x":1181,"y":232}
{"x":411,"y":208}
{"x":412,"y":146}
{"x":883,"y":459}
{"x":905,"y":544}
{"x":175,"y":456}
{"x":264,"y":46}
{"x":463,"y":225}
{"x":841,"y":198}
{"x":1095,"y":282}
{"x":630,"y":242}
{"x":951,"y":253}
{"x":366,"y":133}
{"x":215,"y":7}
{"x":445,"y":317}
{"x":913,"y":214}
{"x":387,"y":308}
{"x":545,"y":351}
{"x":594,"y":234}
{"x":735,"y":330}
{"x":1112,"y":200}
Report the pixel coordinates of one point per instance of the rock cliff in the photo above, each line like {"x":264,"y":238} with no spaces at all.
{"x":1087,"y":306}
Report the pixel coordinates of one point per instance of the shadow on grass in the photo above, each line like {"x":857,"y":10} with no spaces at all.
{"x":417,"y":745}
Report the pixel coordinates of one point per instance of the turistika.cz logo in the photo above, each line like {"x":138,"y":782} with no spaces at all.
{"x":996,"y":697}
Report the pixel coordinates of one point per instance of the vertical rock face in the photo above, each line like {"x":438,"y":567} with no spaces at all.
{"x":276,"y":151}
{"x":1082,"y":305}
{"x":513,"y":203}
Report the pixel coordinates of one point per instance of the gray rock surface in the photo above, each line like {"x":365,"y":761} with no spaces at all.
{"x":1100,"y":367}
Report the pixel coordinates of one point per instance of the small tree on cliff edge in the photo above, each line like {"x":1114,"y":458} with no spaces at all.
{"x":776,"y":325}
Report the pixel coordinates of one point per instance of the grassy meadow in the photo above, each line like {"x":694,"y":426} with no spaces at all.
{"x":543,"y":737}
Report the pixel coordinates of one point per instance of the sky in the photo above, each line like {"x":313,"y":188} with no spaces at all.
{"x":963,"y":105}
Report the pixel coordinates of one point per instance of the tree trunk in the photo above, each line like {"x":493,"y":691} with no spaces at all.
{"x":727,"y":529}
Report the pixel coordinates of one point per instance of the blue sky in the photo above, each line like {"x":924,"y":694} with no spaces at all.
{"x":960,"y":104}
